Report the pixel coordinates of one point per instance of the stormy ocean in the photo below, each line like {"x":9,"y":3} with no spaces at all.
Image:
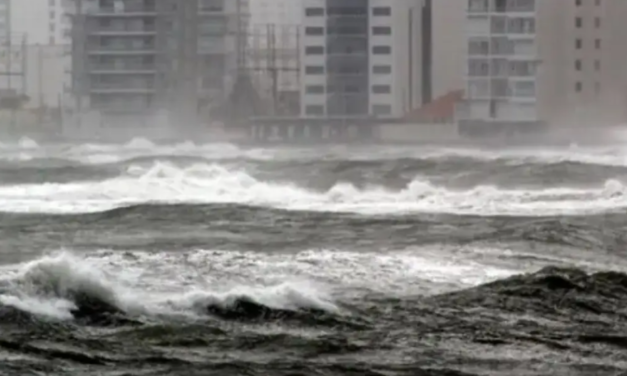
{"x":145,"y":259}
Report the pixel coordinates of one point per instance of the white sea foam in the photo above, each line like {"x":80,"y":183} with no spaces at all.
{"x":28,"y":143}
{"x":213,"y":183}
{"x":48,"y":286}
{"x":92,"y":153}
{"x":185,"y":283}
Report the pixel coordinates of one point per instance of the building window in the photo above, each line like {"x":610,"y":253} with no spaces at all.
{"x":381,"y":109}
{"x":578,"y":3}
{"x":381,"y":11}
{"x":478,"y":6}
{"x":312,"y":30}
{"x":597,"y":44}
{"x":479,"y":67}
{"x":578,"y":43}
{"x":381,"y":89}
{"x":314,"y":109}
{"x":314,"y":69}
{"x":381,"y":30}
{"x":597,"y":65}
{"x":381,"y":69}
{"x":578,"y":22}
{"x":314,"y":50}
{"x":315,"y":89}
{"x":578,"y":65}
{"x":348,"y":11}
{"x":314,"y":12}
{"x":597,"y":22}
{"x":597,"y":88}
{"x":578,"y":87}
{"x":598,"y":2}
{"x":381,"y":50}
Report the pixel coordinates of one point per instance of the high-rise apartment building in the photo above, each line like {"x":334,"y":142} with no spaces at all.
{"x":589,"y":59}
{"x":138,"y":58}
{"x":502,"y":76}
{"x":362,"y":58}
{"x":532,"y":63}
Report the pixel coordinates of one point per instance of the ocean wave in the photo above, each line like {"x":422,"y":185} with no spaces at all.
{"x":95,"y":153}
{"x":453,"y":173}
{"x":210,"y":183}
{"x":65,"y":287}
{"x":549,"y":293}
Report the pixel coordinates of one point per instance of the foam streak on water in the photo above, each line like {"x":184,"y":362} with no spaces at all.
{"x":203,"y":184}
{"x":312,"y":261}
{"x":153,"y":283}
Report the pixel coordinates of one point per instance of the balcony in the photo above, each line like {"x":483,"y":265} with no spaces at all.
{"x":126,"y":30}
{"x":128,"y":10}
{"x":123,"y":50}
{"x":121,"y":69}
{"x":122,"y":88}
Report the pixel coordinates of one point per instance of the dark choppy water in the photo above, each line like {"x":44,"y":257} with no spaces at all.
{"x":215,"y":260}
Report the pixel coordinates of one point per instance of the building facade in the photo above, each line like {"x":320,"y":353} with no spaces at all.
{"x":362,"y":58}
{"x":531,"y":64}
{"x":502,"y":65}
{"x":592,"y":90}
{"x":449,"y":40}
{"x":133,"y":60}
{"x":42,"y":21}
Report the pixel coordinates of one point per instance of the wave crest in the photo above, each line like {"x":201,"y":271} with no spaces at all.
{"x":166,"y":183}
{"x":66,"y":287}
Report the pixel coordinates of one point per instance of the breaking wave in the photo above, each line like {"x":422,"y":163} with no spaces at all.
{"x":166,"y":183}
{"x":65,"y":287}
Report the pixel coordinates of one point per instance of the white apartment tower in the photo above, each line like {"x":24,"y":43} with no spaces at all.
{"x":502,"y":66}
{"x":537,"y":63}
{"x":593,"y":88}
{"x":361,"y":58}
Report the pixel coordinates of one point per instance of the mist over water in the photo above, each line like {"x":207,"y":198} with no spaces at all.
{"x":372,"y":260}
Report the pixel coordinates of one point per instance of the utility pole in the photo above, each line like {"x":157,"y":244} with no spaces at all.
{"x":24,"y":62}
{"x":9,"y":61}
{"x":40,"y":82}
{"x":410,"y":104}
{"x":9,"y":43}
{"x":40,"y":75}
{"x":272,"y":66}
{"x":427,"y":51}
